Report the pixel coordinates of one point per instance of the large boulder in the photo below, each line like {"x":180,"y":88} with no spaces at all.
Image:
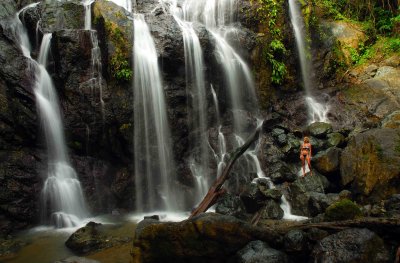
{"x":300,"y":191}
{"x":351,"y":246}
{"x":371,"y":164}
{"x":327,"y":162}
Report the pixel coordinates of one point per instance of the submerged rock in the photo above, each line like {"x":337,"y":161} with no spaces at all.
{"x":352,"y":245}
{"x":92,"y":238}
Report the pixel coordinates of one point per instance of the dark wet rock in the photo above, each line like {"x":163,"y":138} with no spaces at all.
{"x":252,"y":198}
{"x":204,"y":238}
{"x":230,"y":205}
{"x":274,"y":194}
{"x":351,"y":245}
{"x":92,"y":238}
{"x":327,"y":162}
{"x":319,"y":129}
{"x":259,"y":252}
{"x":77,"y":260}
{"x":168,"y":40}
{"x":292,"y":147}
{"x":299,"y":192}
{"x":392,"y":205}
{"x":58,"y":15}
{"x":272,"y":210}
{"x":344,"y":209}
{"x":319,"y":202}
{"x":336,"y":139}
{"x":280,"y":172}
{"x":316,"y":234}
{"x":370,"y":164}
{"x":296,"y":241}
{"x":317,"y":145}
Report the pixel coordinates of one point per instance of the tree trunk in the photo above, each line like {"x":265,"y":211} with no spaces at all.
{"x":216,"y":190}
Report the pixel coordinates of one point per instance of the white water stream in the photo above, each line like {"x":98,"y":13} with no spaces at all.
{"x":316,"y":110}
{"x":154,"y":166}
{"x":62,"y":200}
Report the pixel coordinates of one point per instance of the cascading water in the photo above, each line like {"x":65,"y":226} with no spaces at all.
{"x":316,"y":110}
{"x":218,"y":16}
{"x":154,"y":166}
{"x":195,"y":86}
{"x":62,"y":193}
{"x":96,"y":80}
{"x":62,"y":197}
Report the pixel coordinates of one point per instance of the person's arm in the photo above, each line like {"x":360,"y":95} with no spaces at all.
{"x":310,"y":151}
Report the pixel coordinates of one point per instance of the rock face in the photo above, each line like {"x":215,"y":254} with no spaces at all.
{"x":371,"y":164}
{"x":352,"y":245}
{"x":20,"y":162}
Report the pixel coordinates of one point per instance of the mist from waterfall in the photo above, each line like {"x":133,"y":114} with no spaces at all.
{"x":62,"y":199}
{"x":154,"y":166}
{"x":316,"y":110}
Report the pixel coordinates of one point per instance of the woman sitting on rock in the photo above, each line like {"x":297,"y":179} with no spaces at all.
{"x":305,"y":154}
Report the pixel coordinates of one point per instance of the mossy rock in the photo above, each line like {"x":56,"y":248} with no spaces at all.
{"x":320,"y":129}
{"x":344,"y":209}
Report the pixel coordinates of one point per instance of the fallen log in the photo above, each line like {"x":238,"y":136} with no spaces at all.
{"x":216,"y":190}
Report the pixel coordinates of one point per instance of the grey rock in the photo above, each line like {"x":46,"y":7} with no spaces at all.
{"x":272,"y":210}
{"x":259,"y":252}
{"x":352,"y":245}
{"x":295,"y":241}
{"x":230,"y":205}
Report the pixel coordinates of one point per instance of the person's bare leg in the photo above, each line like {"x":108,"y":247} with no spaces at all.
{"x":303,"y":165}
{"x":309,"y":164}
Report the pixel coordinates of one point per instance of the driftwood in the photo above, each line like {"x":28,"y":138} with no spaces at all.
{"x":216,"y":189}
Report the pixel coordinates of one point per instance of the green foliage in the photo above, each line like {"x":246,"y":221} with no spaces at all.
{"x":275,"y":52}
{"x":362,"y":54}
{"x":344,"y":209}
{"x":120,"y":67}
{"x":392,"y":45}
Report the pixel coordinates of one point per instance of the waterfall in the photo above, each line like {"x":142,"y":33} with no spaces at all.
{"x":195,"y":86}
{"x":316,"y":110}
{"x":62,"y":193}
{"x":218,"y":16}
{"x":61,"y":197}
{"x":154,"y":167}
{"x":96,"y":80}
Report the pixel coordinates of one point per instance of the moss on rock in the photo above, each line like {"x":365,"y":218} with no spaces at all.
{"x":344,"y":209}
